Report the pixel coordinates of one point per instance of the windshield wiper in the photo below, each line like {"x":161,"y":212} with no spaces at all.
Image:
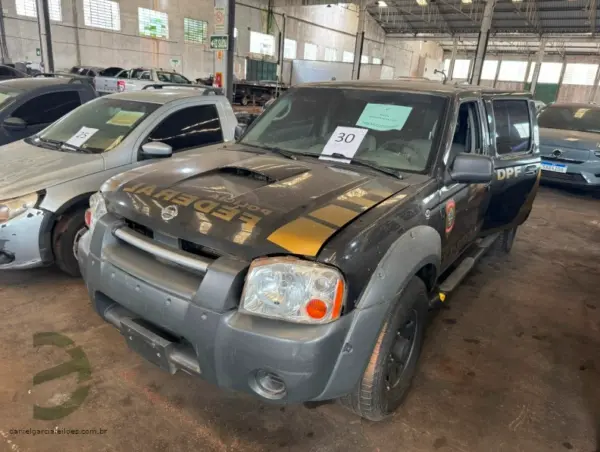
{"x":368,"y":164}
{"x":276,"y":150}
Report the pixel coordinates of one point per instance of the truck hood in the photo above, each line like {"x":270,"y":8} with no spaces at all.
{"x":237,"y":202}
{"x":26,"y":168}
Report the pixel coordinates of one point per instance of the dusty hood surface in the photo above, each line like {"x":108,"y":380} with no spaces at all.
{"x":25,"y":168}
{"x":238,"y":202}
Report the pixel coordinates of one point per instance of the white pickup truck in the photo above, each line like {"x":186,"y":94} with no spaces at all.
{"x":136,"y":79}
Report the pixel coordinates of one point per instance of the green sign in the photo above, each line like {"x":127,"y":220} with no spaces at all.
{"x":219,"y":42}
{"x":38,"y":52}
{"x":175,"y":62}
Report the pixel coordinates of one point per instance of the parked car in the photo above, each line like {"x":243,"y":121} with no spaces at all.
{"x":136,"y":79}
{"x":570,"y":144}
{"x":46,"y":180}
{"x":299,"y":264}
{"x":8,"y":73}
{"x":28,"y":105}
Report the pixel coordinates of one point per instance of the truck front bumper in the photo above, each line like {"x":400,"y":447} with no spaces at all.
{"x":182,"y":321}
{"x":22,"y":241}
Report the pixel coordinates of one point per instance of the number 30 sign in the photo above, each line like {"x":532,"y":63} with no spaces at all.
{"x":344,"y":141}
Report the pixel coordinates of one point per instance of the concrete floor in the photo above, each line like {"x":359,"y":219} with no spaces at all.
{"x":511,"y":364}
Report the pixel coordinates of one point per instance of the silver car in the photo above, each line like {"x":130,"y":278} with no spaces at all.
{"x":570,"y":144}
{"x":46,"y":180}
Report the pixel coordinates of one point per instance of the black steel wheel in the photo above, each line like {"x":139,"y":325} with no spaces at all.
{"x":393,"y":363}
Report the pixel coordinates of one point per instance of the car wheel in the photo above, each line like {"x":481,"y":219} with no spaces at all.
{"x":67,"y":233}
{"x":504,"y":243}
{"x":393,"y":363}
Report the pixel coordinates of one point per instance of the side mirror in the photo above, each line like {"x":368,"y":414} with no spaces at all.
{"x":14,"y":123}
{"x":156,"y":149}
{"x":239,"y":130}
{"x":472,"y":169}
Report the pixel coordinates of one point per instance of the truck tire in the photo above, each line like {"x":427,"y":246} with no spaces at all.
{"x":393,"y":363}
{"x":67,"y":233}
{"x":504,"y":243}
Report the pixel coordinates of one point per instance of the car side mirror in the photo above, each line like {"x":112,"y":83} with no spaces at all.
{"x":240,"y":129}
{"x":14,"y":123}
{"x":156,"y":149}
{"x":472,"y":169}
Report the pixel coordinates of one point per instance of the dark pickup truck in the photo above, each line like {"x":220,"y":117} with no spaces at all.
{"x":299,"y":264}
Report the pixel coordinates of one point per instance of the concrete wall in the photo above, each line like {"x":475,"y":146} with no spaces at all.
{"x":333,"y":27}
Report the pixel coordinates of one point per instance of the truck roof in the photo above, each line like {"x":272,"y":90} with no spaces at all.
{"x":159,"y":96}
{"x":26,"y":84}
{"x":430,"y":86}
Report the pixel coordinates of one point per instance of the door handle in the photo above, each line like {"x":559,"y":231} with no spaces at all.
{"x":531,"y":170}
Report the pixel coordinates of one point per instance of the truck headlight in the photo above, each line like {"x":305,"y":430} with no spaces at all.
{"x":292,"y":289}
{"x":96,"y":211}
{"x":16,"y":206}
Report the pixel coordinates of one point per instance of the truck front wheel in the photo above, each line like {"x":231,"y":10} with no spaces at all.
{"x":393,"y":363}
{"x":504,"y":243}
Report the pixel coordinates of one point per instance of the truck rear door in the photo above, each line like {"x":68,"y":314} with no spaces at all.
{"x":514,"y":146}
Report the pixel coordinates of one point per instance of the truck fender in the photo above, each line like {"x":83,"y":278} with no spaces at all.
{"x":415,"y":249}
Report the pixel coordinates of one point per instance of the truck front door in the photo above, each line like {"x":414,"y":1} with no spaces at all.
{"x":515,"y":150}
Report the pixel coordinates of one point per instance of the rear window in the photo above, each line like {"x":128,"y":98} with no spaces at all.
{"x":100,"y":125}
{"x":567,"y":117}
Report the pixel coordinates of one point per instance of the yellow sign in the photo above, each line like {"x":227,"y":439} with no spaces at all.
{"x":125,"y":118}
{"x":219,"y":55}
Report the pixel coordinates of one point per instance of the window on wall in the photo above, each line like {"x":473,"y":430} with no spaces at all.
{"x":488,"y":72}
{"x":102,"y":14}
{"x":461,"y":69}
{"x":310,"y":51}
{"x":262,"y":43}
{"x":447,"y":67}
{"x":154,"y":24}
{"x":531,"y":71}
{"x":348,"y":57}
{"x":28,"y":8}
{"x":550,"y":73}
{"x":289,"y":49}
{"x":376,"y":60}
{"x":580,"y":74}
{"x":364,"y":59}
{"x":330,"y":54}
{"x":194,"y":30}
{"x":512,"y":71}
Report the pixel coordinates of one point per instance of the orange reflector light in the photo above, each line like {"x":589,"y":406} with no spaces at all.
{"x":338,"y":300}
{"x":88,"y":217}
{"x":316,"y":309}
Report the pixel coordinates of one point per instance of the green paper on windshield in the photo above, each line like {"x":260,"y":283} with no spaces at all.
{"x":384,"y":117}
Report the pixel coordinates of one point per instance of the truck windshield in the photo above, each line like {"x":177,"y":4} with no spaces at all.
{"x":390,"y":129}
{"x":99,"y":125}
{"x":571,"y":117}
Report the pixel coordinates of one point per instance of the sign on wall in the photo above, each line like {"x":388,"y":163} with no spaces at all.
{"x":219,"y":42}
{"x":219,"y":20}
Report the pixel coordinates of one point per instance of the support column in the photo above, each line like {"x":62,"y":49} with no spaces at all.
{"x":76,"y":29}
{"x":281,"y":53}
{"x":538,"y":66}
{"x":43,"y":11}
{"x":452,"y":58}
{"x":595,"y":89}
{"x":5,"y":58}
{"x":497,"y":71}
{"x":225,"y":15}
{"x":482,"y":43}
{"x":230,"y":27}
{"x":360,"y":39}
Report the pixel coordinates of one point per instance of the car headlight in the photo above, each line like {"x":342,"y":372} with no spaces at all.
{"x":96,"y":211}
{"x":292,"y":289}
{"x":16,"y":206}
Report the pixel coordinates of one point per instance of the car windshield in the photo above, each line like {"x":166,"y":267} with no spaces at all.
{"x":97,"y":126}
{"x":7,"y":96}
{"x":571,"y":117}
{"x":386,"y":128}
{"x":171,"y":77}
